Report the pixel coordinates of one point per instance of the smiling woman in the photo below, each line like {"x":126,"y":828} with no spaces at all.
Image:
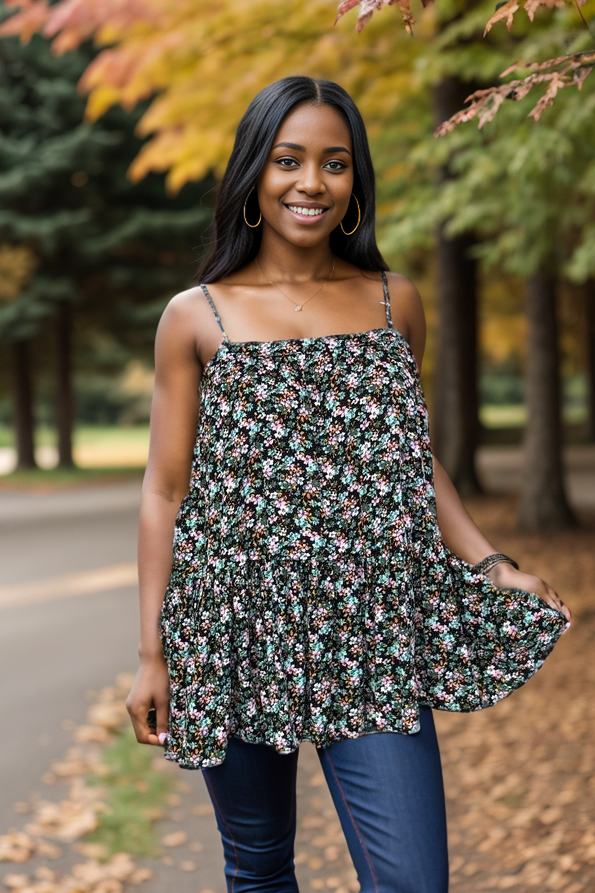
{"x":271,"y":133}
{"x":326,"y":582}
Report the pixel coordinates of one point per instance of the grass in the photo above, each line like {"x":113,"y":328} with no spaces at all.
{"x":514,"y":416}
{"x":39,"y":479}
{"x":100,"y":453}
{"x":134,"y":795}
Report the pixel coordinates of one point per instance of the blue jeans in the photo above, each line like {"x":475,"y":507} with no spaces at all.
{"x":388,"y":792}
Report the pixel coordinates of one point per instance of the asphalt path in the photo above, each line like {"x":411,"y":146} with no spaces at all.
{"x":52,"y":651}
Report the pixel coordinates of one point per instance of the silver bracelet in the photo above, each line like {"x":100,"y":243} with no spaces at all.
{"x":486,"y":564}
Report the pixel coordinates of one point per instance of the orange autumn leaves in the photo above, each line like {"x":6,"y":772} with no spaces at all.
{"x":52,"y":825}
{"x":204,"y":62}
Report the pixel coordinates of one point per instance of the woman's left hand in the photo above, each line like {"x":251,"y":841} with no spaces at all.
{"x":505,"y":576}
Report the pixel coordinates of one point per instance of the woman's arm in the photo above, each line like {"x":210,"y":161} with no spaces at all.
{"x":458,"y":530}
{"x":174,"y":415}
{"x":461,"y":535}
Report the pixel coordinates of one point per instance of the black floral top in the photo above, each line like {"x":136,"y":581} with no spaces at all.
{"x":311,"y":595}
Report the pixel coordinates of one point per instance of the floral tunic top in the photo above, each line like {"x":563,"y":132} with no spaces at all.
{"x":311,"y":595}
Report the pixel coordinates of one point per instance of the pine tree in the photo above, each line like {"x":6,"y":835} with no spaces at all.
{"x":108,"y":252}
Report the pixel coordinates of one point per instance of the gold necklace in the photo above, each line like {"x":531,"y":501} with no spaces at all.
{"x":297,"y":306}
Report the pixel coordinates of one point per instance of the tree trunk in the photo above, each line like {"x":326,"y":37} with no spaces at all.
{"x":23,"y":405}
{"x":590,"y":432}
{"x":64,"y":407}
{"x":455,"y":402}
{"x":543,"y":504}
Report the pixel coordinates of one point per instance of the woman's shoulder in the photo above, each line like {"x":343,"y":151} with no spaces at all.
{"x":399,"y":286}
{"x":185,"y":310}
{"x":407,"y":310}
{"x":403,"y":288}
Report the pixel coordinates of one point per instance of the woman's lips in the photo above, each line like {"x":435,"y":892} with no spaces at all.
{"x":307,"y":219}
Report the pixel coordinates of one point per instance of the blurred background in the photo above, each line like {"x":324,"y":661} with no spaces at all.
{"x":116,"y":121}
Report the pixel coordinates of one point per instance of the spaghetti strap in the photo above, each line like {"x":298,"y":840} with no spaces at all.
{"x":210,"y":300}
{"x":386,"y":301}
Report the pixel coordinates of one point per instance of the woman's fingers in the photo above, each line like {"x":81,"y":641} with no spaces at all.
{"x":146,"y":732}
{"x":504,"y":575}
{"x":162,"y":719}
{"x":554,"y":600}
{"x":148,"y":704}
{"x":139,"y":715}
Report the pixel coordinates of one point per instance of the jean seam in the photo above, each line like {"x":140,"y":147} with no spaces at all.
{"x":353,"y":821}
{"x":216,"y":802}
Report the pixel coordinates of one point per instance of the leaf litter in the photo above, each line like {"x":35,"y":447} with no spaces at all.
{"x":68,"y":820}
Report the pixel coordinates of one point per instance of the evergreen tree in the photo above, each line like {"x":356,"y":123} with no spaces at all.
{"x":108,"y":252}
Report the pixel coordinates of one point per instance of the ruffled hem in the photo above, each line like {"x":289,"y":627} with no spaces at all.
{"x":282,"y":665}
{"x":476,"y":642}
{"x":217,"y":756}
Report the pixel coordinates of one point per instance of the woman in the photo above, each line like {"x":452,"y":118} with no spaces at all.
{"x":327,"y":583}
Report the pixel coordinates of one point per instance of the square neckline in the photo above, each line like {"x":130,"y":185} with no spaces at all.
{"x":226,"y":343}
{"x":309,"y":339}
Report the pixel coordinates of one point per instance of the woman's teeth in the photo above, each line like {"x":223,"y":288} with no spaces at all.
{"x":307,"y":212}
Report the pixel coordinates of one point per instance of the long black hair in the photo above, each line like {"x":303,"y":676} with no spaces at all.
{"x":233,"y":244}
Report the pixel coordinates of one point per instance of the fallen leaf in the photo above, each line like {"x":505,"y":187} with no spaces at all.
{"x":188,"y":865}
{"x":176,"y":838}
{"x":16,"y":847}
{"x":14,"y":881}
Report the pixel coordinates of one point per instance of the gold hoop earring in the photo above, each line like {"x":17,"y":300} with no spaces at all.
{"x":359,"y":217}
{"x":251,"y":225}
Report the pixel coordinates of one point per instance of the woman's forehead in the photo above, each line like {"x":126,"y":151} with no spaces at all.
{"x":314,"y":124}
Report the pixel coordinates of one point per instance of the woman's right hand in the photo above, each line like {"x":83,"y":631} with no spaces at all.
{"x":150,"y":689}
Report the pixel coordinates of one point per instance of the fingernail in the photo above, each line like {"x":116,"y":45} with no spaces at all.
{"x":162,"y":737}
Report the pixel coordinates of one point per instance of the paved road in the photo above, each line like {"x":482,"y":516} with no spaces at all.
{"x":52,"y":651}
{"x":501,"y":468}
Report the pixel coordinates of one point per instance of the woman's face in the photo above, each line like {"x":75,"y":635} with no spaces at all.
{"x":306,"y":184}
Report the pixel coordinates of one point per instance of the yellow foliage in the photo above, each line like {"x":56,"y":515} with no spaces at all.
{"x":17,"y":263}
{"x":203,"y":62}
{"x":503,"y":336}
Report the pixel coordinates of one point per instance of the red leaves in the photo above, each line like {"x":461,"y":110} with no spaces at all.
{"x":31,"y":19}
{"x":565,"y":71}
{"x":508,"y":10}
{"x":504,"y":11}
{"x":368,"y":7}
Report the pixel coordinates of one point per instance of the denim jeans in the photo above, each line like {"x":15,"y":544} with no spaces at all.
{"x":388,"y":792}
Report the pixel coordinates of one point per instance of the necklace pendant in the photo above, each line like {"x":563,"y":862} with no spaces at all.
{"x":297,"y":308}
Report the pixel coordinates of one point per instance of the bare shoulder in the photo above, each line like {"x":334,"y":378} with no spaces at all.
{"x":186,"y":315}
{"x":184,"y":306}
{"x":402,"y":288}
{"x":408,"y":313}
{"x":397,"y":283}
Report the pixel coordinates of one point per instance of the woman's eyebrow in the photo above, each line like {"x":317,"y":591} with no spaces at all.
{"x":297,"y":148}
{"x":294,"y":146}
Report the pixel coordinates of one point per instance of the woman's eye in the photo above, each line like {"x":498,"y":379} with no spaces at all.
{"x":335,"y":165}
{"x":286,"y":162}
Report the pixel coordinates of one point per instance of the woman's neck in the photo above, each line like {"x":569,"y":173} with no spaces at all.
{"x":283,"y":262}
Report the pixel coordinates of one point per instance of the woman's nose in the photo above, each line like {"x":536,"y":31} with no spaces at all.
{"x":310,"y":181}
